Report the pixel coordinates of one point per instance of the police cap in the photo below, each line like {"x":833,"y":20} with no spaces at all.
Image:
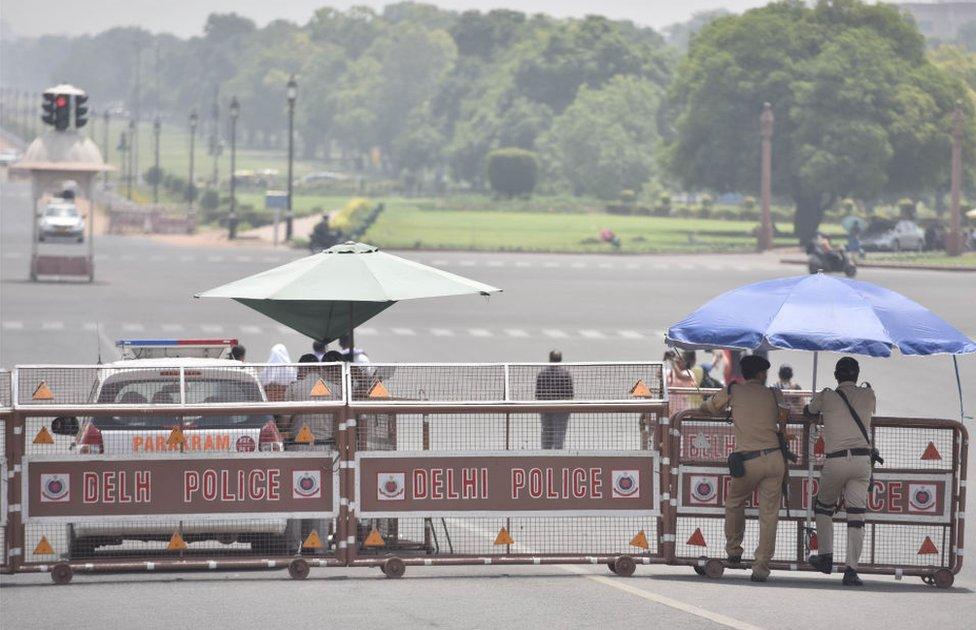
{"x":752,"y":365}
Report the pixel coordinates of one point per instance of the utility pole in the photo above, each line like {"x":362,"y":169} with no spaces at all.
{"x":291,"y":93}
{"x":105,"y":119}
{"x":766,"y":132}
{"x":954,"y":241}
{"x":158,"y":174}
{"x":132,"y":163}
{"x":215,"y":148}
{"x":190,"y":189}
{"x":235,"y":110}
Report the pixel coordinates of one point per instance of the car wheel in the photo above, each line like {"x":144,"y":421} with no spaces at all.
{"x":850,"y":271}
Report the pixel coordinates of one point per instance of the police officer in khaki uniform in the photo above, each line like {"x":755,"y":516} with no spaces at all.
{"x":847,"y":470}
{"x":755,"y":412}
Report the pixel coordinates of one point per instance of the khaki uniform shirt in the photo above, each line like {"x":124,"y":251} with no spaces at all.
{"x":754,"y":414}
{"x":840,"y":430}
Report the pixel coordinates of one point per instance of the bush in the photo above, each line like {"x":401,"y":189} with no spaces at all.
{"x":355,"y":218}
{"x":748,"y":203}
{"x":628,"y":196}
{"x":847,"y":206}
{"x":705,"y":204}
{"x":906,"y":208}
{"x":512,"y":171}
{"x":153,"y":175}
{"x":726,"y":214}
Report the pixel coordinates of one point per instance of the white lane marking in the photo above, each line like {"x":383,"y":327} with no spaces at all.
{"x":578,"y":265}
{"x":516,"y":332}
{"x":405,"y":332}
{"x":127,"y":257}
{"x":555,"y":334}
{"x":284,"y":330}
{"x":551,"y":265}
{"x":172,"y":327}
{"x":713,"y":267}
{"x":632,"y":266}
{"x":479,"y":332}
{"x":215,"y":258}
{"x":742,"y":267}
{"x":605,"y":265}
{"x":663,"y":600}
{"x":251,"y":330}
{"x":11,"y":254}
{"x":269,"y":259}
{"x":242,"y":259}
{"x":13,"y":325}
{"x":657,"y":334}
{"x":133,"y":327}
{"x":630,"y":334}
{"x":686,"y":266}
{"x":495,"y":263}
{"x":439,"y":261}
{"x":100,"y":257}
{"x":156,"y":258}
{"x":366,"y":330}
{"x":52,"y":326}
{"x":592,"y":334}
{"x":467,"y":263}
{"x":89,"y":326}
{"x":441,"y":332}
{"x":187,"y":258}
{"x":212,"y":328}
{"x":523,"y":263}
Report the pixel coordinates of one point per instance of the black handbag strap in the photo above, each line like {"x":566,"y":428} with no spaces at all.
{"x":857,"y":418}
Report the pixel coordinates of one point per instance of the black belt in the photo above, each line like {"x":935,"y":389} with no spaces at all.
{"x":853,"y":451}
{"x":747,"y":455}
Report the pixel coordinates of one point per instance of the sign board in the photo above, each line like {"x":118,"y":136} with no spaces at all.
{"x":911,"y":496}
{"x":275,"y":199}
{"x":510,"y":483}
{"x":296,"y":485}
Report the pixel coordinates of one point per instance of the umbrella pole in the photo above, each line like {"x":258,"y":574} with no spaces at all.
{"x":352,"y":337}
{"x":962,"y":408}
{"x":811,"y":444}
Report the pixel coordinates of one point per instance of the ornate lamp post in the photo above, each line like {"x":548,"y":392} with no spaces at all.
{"x":235,"y":111}
{"x":190,"y":189}
{"x":157,"y":127}
{"x":291,"y":94}
{"x":766,"y":131}
{"x":954,"y":241}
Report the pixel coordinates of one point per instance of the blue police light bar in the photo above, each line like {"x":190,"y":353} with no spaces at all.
{"x":133,"y":343}
{"x":171,"y":348}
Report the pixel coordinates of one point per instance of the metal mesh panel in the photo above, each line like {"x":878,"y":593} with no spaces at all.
{"x":905,"y":545}
{"x":917,"y":449}
{"x":683,"y":398}
{"x":4,"y":487}
{"x":583,"y":382}
{"x":438,"y":383}
{"x":712,"y":530}
{"x":6,"y":391}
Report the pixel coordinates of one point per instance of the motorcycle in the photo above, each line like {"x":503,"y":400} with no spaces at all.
{"x":821,"y":257}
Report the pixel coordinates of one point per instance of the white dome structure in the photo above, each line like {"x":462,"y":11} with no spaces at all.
{"x":62,"y":151}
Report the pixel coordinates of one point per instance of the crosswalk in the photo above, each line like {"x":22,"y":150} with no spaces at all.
{"x":245,"y":331}
{"x":504,"y":261}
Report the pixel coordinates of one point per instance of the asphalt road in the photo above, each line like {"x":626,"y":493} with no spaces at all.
{"x":591,"y":307}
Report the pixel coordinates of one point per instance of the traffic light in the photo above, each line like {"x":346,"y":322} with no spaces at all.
{"x":48,"y":107}
{"x":81,"y":110}
{"x":62,"y":111}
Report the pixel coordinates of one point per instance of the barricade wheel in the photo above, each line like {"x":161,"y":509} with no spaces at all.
{"x":624,"y":566}
{"x":393,"y":568}
{"x":61,"y":573}
{"x":699,"y":570}
{"x":714,"y":568}
{"x":928,"y":579}
{"x":943,"y":578}
{"x":298,"y":569}
{"x":612,"y":568}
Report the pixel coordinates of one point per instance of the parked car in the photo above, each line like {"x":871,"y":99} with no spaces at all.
{"x":61,"y":219}
{"x":157,"y":381}
{"x":8,"y":156}
{"x":904,"y":235}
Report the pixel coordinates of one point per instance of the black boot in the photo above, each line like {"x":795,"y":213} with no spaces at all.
{"x":851,"y":578}
{"x":823,"y":562}
{"x":735,"y":560}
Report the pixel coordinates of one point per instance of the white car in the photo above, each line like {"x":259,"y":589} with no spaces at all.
{"x":905,"y":235}
{"x":61,"y":220}
{"x":8,"y":156}
{"x":157,"y":381}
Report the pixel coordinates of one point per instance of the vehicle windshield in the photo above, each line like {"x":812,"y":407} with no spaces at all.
{"x":162,"y":391}
{"x":65,"y":212}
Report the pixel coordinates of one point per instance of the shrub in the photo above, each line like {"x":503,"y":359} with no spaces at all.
{"x":847,"y":206}
{"x":154,"y":175}
{"x":705,"y":204}
{"x":663,"y":206}
{"x":512,"y":171}
{"x":628,"y":196}
{"x":352,"y":221}
{"x":726,"y":214}
{"x":748,"y":203}
{"x":906,"y":208}
{"x":210,"y":199}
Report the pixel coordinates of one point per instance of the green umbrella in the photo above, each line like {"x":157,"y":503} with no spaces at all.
{"x":328,"y":294}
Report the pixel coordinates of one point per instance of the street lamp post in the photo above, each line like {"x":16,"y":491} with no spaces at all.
{"x":123,"y":150}
{"x":190,"y":190}
{"x":235,"y":110}
{"x":291,"y":93}
{"x":131,"y":150}
{"x":105,"y":118}
{"x":954,"y":241}
{"x":766,"y":131}
{"x":156,"y":129}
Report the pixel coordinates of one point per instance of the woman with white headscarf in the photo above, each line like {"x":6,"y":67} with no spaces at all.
{"x":279,"y":373}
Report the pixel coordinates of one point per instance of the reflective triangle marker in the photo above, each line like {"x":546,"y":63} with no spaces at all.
{"x":43,"y":437}
{"x":928,"y":547}
{"x":176,"y":437}
{"x":320,"y":390}
{"x":43,"y":547}
{"x":42,"y":392}
{"x":379,"y":390}
{"x":313,"y":541}
{"x":697,"y":539}
{"x":305,"y":435}
{"x":374,"y":539}
{"x":504,"y":538}
{"x":176,"y":543}
{"x":640,"y":540}
{"x":640,"y":389}
{"x":931,"y":453}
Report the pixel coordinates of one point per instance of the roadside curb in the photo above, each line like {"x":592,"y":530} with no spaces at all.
{"x":908,"y":266}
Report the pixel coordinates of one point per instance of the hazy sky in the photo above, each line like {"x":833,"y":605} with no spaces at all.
{"x":186,"y":17}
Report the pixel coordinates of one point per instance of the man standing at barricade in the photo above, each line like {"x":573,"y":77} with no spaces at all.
{"x":757,"y":461}
{"x":846,"y":473}
{"x":554,"y":383}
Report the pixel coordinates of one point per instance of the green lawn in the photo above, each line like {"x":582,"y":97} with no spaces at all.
{"x":925,"y":258}
{"x":404,"y":225}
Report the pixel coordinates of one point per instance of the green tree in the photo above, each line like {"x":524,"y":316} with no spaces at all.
{"x":512,"y":171}
{"x":605,"y":142}
{"x":860,"y":111}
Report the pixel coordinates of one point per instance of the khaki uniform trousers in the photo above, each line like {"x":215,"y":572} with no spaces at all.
{"x":843,"y":478}
{"x":765,"y":472}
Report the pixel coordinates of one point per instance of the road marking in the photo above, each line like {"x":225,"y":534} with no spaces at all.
{"x":251,"y":330}
{"x":89,"y":326}
{"x":269,"y":259}
{"x":516,"y":332}
{"x":172,"y":327}
{"x":495,"y":263}
{"x":212,"y":328}
{"x":555,"y":334}
{"x":479,"y":332}
{"x":592,"y":334}
{"x":578,"y":265}
{"x":467,"y":263}
{"x":438,"y":261}
{"x":215,"y":258}
{"x":686,"y":266}
{"x":632,"y":266}
{"x":127,"y":257}
{"x":11,"y":254}
{"x":187,"y":258}
{"x":366,"y":330}
{"x":551,"y":265}
{"x":405,"y":332}
{"x":657,"y":334}
{"x":52,"y":326}
{"x":523,"y":263}
{"x":441,"y":332}
{"x":284,"y":330}
{"x":13,"y":325}
{"x":663,"y":600}
{"x":605,"y":265}
{"x":133,"y":327}
{"x":242,"y":259}
{"x":630,"y":334}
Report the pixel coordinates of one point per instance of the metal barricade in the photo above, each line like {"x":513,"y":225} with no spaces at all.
{"x":914,"y":520}
{"x":6,"y":417}
{"x":685,"y":398}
